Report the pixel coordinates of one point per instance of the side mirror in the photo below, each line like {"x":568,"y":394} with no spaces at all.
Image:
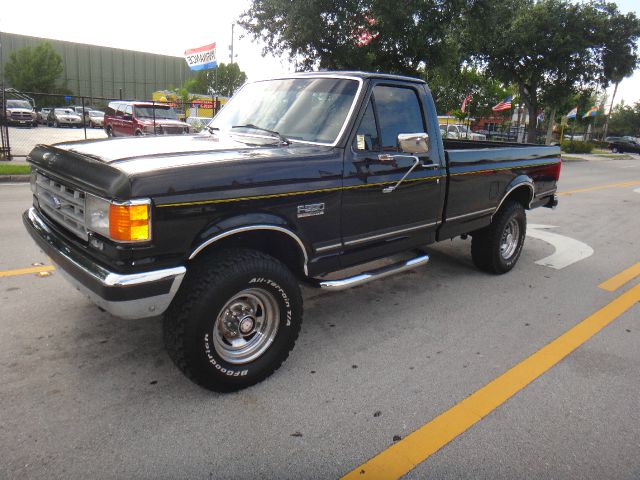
{"x":127,"y":117}
{"x":415,"y":143}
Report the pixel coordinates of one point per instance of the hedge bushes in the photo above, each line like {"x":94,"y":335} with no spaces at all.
{"x":577,"y":147}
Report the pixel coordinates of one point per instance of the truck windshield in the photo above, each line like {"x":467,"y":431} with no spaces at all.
{"x":309,"y":109}
{"x":18,"y":104}
{"x":162,"y":113}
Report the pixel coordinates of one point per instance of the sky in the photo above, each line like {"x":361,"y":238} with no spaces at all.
{"x":171,"y":28}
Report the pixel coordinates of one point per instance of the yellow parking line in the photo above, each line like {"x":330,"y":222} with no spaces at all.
{"x":602,"y":187}
{"x":403,"y":456}
{"x":620,"y":279}
{"x":26,"y":271}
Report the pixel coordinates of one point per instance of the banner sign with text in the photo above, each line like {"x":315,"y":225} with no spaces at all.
{"x":202,"y":58}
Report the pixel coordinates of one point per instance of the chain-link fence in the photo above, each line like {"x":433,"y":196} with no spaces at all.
{"x":31,"y":118}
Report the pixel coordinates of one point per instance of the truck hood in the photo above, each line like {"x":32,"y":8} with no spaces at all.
{"x":167,"y":167}
{"x":18,"y":110}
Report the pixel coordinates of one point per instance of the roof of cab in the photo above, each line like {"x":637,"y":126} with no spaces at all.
{"x":346,"y":74}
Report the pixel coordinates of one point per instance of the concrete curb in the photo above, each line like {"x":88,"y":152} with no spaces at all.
{"x":14,"y":178}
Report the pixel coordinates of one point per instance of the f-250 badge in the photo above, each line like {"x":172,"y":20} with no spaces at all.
{"x":310,"y":210}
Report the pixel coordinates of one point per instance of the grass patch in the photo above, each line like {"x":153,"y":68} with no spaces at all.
{"x":612,"y":155}
{"x":14,"y":169}
{"x":571,"y":158}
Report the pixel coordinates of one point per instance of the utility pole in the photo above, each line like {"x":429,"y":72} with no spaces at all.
{"x":231,"y":47}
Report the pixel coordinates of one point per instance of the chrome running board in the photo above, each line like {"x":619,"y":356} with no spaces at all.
{"x":366,"y":277}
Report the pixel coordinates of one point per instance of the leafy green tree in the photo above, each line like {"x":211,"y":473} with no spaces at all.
{"x":200,"y":83}
{"x":227,"y":79}
{"x":549,"y":48}
{"x":34,"y":69}
{"x":223,"y":80}
{"x":625,"y":120}
{"x":373,"y":35}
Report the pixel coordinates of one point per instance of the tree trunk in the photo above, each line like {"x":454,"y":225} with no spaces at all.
{"x":552,"y":119}
{"x":606,"y":123}
{"x":529,"y":94}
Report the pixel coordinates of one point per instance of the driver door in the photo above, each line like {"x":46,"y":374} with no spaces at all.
{"x":376,"y":221}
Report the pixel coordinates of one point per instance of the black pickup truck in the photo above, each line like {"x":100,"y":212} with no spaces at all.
{"x":294,"y":179}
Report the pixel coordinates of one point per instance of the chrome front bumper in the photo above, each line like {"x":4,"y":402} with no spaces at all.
{"x":136,"y":295}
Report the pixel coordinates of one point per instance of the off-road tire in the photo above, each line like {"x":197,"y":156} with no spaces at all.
{"x":486,"y":242}
{"x":209,"y":285}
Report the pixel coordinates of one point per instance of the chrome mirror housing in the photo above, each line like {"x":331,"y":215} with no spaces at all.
{"x":415,"y":143}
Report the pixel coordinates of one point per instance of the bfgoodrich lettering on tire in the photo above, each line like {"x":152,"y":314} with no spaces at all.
{"x":235,"y":319}
{"x":496,"y":248}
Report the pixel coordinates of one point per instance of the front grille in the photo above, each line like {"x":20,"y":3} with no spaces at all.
{"x":21,"y":116}
{"x":62,"y":203}
{"x":166,"y":130}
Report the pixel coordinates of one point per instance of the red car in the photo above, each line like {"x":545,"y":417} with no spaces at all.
{"x":125,"y":119}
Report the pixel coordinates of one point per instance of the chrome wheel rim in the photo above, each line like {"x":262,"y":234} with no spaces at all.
{"x":246,"y":326}
{"x":510,"y":239}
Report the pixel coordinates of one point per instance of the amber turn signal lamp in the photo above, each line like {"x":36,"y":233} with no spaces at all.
{"x":129,"y":223}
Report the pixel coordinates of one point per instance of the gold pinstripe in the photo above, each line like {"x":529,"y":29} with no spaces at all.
{"x":333,"y":189}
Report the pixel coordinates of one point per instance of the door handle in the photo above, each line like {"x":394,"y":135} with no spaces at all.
{"x":430,"y":165}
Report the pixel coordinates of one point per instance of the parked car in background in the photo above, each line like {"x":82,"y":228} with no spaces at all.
{"x":460,"y":131}
{"x":125,"y":119}
{"x":82,"y":111}
{"x":21,"y":112}
{"x":612,"y":139}
{"x":625,"y":144}
{"x":95,"y":118}
{"x":59,"y":117}
{"x":42,"y":115}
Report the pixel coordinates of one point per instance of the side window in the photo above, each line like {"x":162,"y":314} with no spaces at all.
{"x":128,"y":110}
{"x":398,"y":112}
{"x":119,"y":110}
{"x":367,"y":134}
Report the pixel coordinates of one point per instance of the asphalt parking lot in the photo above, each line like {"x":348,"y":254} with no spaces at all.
{"x":23,"y":139}
{"x":533,"y":374}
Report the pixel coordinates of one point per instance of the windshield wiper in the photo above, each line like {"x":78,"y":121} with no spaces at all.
{"x":281,"y":137}
{"x":212,"y":129}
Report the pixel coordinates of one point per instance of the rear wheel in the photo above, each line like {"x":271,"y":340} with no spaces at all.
{"x":615,"y":150}
{"x":109,"y":131}
{"x":497,"y":248}
{"x":234,"y":320}
{"x":56,"y":124}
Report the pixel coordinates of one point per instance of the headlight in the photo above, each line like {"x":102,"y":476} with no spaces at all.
{"x":122,"y":222}
{"x":32,"y":181}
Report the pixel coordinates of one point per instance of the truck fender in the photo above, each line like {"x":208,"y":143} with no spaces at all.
{"x":247,"y":223}
{"x":521,"y":182}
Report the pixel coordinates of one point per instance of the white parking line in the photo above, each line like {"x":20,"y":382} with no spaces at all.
{"x":568,"y":250}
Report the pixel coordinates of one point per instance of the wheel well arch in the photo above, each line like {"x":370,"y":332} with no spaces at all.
{"x":522,"y":192}
{"x":279,"y":242}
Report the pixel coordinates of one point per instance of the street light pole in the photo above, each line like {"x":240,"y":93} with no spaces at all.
{"x":231,"y":47}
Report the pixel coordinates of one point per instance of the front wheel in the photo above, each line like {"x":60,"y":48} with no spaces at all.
{"x":497,"y":248}
{"x":235,"y":319}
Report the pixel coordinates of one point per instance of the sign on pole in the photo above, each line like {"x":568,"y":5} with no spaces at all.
{"x":202,"y":58}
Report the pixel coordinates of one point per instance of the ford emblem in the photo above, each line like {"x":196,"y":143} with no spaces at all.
{"x":54,"y":202}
